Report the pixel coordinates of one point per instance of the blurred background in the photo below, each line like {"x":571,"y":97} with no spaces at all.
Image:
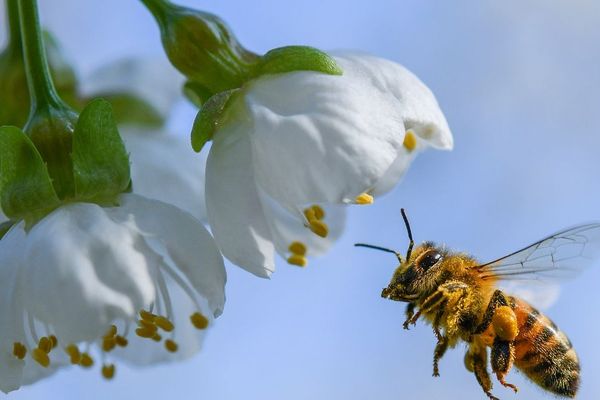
{"x":519,"y":81}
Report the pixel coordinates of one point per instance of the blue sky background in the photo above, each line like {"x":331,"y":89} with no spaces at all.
{"x":519,"y":83}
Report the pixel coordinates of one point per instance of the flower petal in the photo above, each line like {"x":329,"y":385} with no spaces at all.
{"x":153,"y":80}
{"x":319,"y":138}
{"x":395,"y":173}
{"x":189,"y":245}
{"x":234,"y":208}
{"x":164,"y":167}
{"x":287,"y":228}
{"x":78,"y":252}
{"x":416,"y":103}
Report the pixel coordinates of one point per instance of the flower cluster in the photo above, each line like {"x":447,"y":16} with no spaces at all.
{"x":103,"y":249}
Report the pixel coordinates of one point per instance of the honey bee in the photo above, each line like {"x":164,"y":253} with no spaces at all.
{"x":462,"y":300}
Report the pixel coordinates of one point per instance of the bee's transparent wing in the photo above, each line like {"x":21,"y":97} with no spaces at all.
{"x":533,"y":273}
{"x":556,"y":257}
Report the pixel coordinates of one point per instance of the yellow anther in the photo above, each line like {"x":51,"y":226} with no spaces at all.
{"x":112,"y":331}
{"x":410,"y":141}
{"x":171,"y":346}
{"x":298,"y":248}
{"x":19,"y":350}
{"x":41,"y":357}
{"x":164,"y":324}
{"x":309,"y":213}
{"x":53,"y":340}
{"x":109,"y":343}
{"x":147,"y":316}
{"x":146,"y":324}
{"x":121,"y":341}
{"x":319,"y":212}
{"x":45,"y":344}
{"x":108,"y":371}
{"x":199,"y":320}
{"x":73,"y":353}
{"x":145,"y":332}
{"x":86,"y":360}
{"x":157,"y":337}
{"x":319,"y":227}
{"x":296,"y":259}
{"x":363,"y":199}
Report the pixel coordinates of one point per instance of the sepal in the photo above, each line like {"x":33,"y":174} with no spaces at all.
{"x":25,"y":186}
{"x":100,"y":160}
{"x":211,"y":117}
{"x":297,"y":58}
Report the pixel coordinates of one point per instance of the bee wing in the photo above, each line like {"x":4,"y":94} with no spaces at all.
{"x":556,"y":257}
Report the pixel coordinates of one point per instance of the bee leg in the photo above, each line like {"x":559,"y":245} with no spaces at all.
{"x":441,"y":296}
{"x":503,"y":356}
{"x":410,"y":315}
{"x":498,"y":299}
{"x":442,"y":341}
{"x":475,"y":361}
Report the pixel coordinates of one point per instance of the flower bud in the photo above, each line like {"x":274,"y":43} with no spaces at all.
{"x":202,"y":47}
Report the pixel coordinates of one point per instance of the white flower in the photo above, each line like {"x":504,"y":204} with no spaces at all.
{"x":89,"y":280}
{"x":295,"y":140}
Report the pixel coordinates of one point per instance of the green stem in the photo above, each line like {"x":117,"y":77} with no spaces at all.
{"x":12,"y":14}
{"x":41,"y":88}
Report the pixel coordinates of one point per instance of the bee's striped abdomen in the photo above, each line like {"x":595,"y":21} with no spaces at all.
{"x":543,"y":352}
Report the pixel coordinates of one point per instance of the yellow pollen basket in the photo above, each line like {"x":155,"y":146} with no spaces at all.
{"x":364,"y":199}
{"x":199,"y":321}
{"x":410,"y":141}
{"x":19,"y":350}
{"x":41,"y":357}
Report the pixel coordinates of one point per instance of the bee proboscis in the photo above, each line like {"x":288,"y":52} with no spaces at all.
{"x":462,"y":300}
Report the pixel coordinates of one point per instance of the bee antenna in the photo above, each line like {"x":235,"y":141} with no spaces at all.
{"x":410,"y":237}
{"x":370,"y":246}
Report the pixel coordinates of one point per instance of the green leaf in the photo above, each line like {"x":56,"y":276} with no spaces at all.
{"x":130,"y":109}
{"x":25,"y":186}
{"x":210,"y":117}
{"x":100,"y":160}
{"x":297,"y":58}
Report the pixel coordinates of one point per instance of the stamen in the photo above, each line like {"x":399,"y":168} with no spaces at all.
{"x":164,"y":294}
{"x":410,"y":141}
{"x":364,"y":199}
{"x":319,"y":212}
{"x":320,"y":228}
{"x":298,"y":248}
{"x":45,"y":344}
{"x":199,"y":320}
{"x":157,"y":337}
{"x":108,"y":371}
{"x":112,"y":331}
{"x":146,"y":332}
{"x":146,"y":324}
{"x":86,"y":360}
{"x":109,"y":343}
{"x":19,"y":350}
{"x":171,"y":346}
{"x":164,"y":324}
{"x":297,"y":259}
{"x":309,"y":213}
{"x":73,"y":353}
{"x":147,"y":316}
{"x":41,"y":357}
{"x":121,"y":341}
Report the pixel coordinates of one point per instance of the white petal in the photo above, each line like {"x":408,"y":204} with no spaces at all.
{"x":416,"y":103}
{"x":187,"y":242}
{"x":164,"y":167}
{"x":287,"y":228}
{"x":234,"y":209}
{"x":11,"y":372}
{"x":84,"y":271}
{"x":319,"y":138}
{"x":395,"y":173}
{"x":151,"y":79}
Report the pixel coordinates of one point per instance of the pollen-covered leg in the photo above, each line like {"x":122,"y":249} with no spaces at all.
{"x":498,"y":300}
{"x":502,"y":358}
{"x":450,"y":291}
{"x":411,"y":317}
{"x":476,"y":362}
{"x":438,"y":353}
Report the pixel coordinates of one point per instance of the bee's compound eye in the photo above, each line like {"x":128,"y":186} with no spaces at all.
{"x":428,"y":259}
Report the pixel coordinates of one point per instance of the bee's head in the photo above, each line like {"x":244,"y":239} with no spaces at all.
{"x":417,"y":271}
{"x":416,"y":274}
